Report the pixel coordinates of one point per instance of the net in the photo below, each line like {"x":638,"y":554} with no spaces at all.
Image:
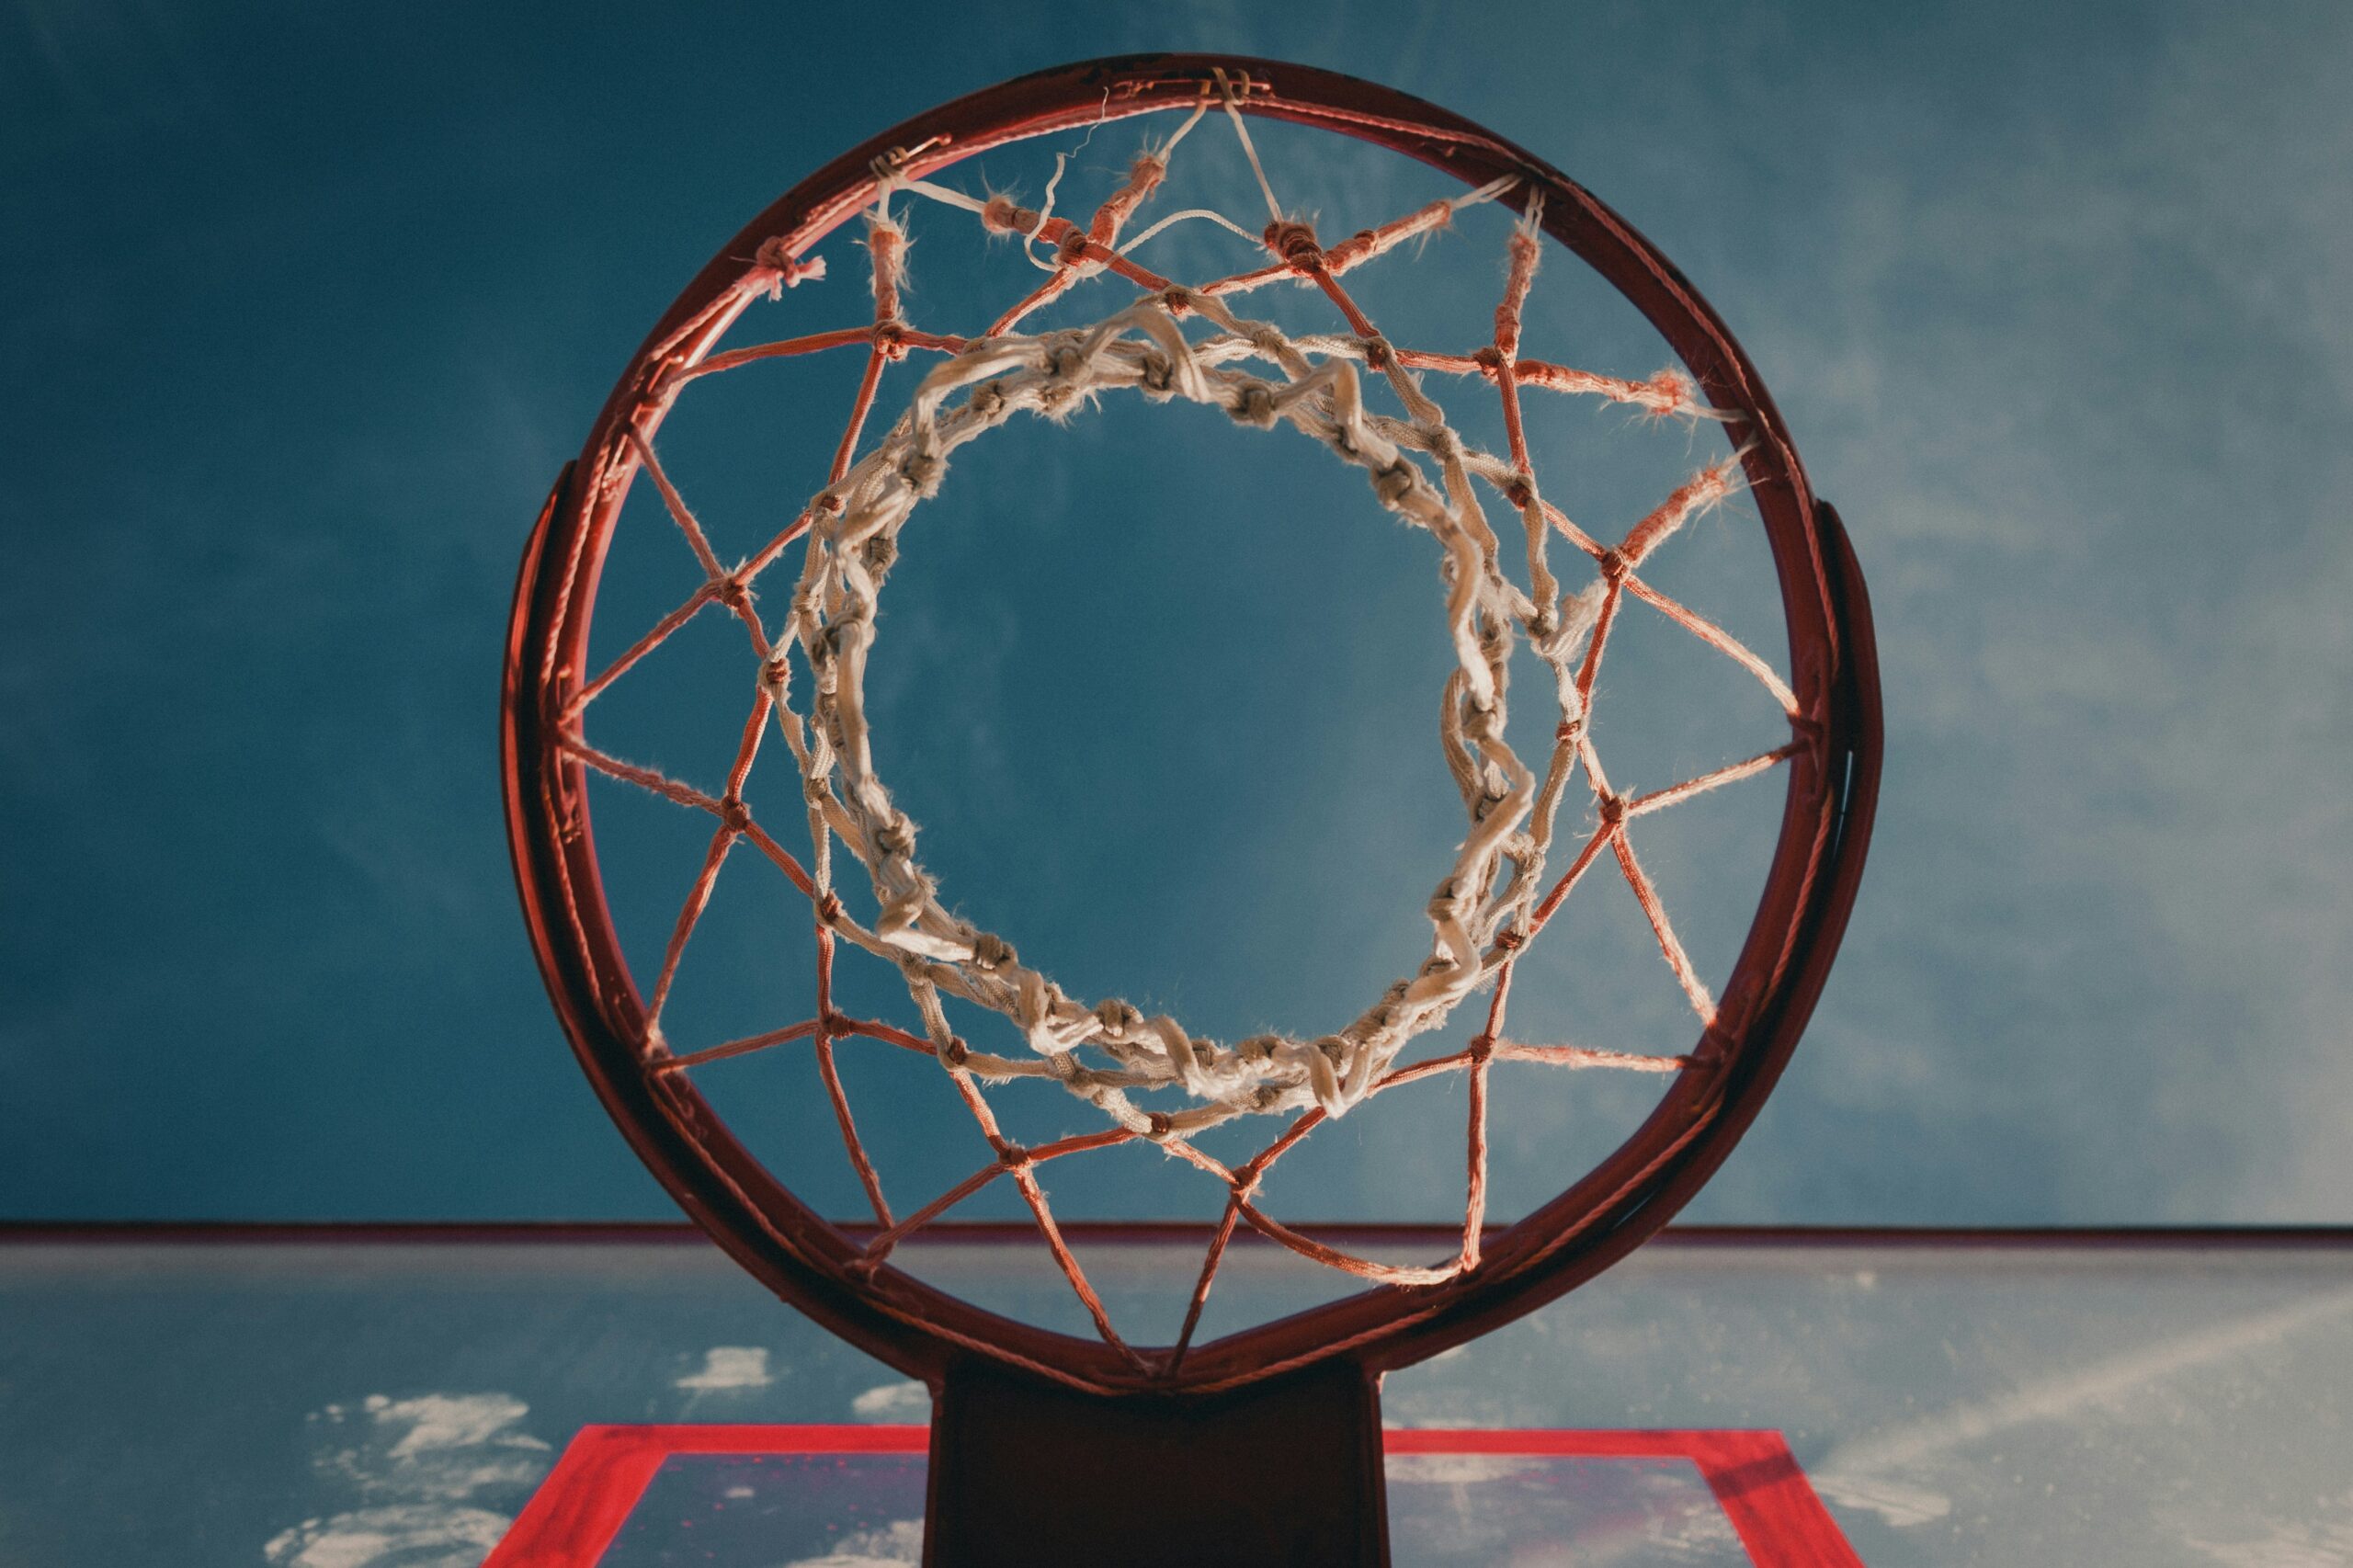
{"x":1151,"y":1078}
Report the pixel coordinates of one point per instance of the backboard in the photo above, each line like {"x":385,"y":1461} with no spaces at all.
{"x":368,"y":1399}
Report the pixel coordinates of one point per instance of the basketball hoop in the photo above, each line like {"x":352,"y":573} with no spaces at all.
{"x":1366,"y":401}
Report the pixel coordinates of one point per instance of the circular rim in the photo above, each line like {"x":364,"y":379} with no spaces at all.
{"x":915,"y":1326}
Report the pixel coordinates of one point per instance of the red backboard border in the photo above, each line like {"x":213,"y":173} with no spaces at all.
{"x":583,"y":1504}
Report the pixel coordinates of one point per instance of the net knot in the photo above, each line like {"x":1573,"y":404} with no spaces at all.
{"x":1002,"y":215}
{"x":734,"y":595}
{"x":955,"y":1053}
{"x":1011,"y":1156}
{"x":829,"y":908}
{"x":890,"y":338}
{"x":1378,"y":355}
{"x":1396,"y":481}
{"x":1569,"y":730}
{"x":1118,"y":1018}
{"x":734,"y":813}
{"x":1253,"y":404}
{"x":988,"y":399}
{"x":881,"y":550}
{"x":1161,"y":1125}
{"x":1065,"y":362}
{"x":777,"y":672}
{"x":1483,"y":1047}
{"x":1508,"y":939}
{"x":1614,"y":564}
{"x":1295,"y":242}
{"x":992,"y":951}
{"x":1612,"y":807}
{"x":896,"y":836}
{"x":1490,"y":360}
{"x":1073,"y":248}
{"x":776,"y":254}
{"x":922,"y":472}
{"x":1157,"y":373}
{"x":1178,"y":298}
{"x":1520,"y":491}
{"x":1671,"y":390}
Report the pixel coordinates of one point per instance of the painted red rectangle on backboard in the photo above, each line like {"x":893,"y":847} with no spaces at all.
{"x":586,"y":1499}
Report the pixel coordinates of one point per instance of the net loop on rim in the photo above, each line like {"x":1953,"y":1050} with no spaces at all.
{"x":1494,"y":899}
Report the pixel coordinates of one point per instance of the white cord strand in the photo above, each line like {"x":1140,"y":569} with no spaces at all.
{"x":1233,"y":113}
{"x":1191,"y":213}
